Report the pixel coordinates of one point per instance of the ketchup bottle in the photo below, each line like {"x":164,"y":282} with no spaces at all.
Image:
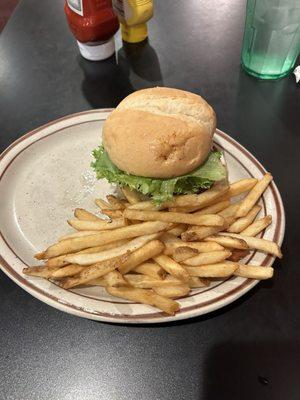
{"x":93,"y":23}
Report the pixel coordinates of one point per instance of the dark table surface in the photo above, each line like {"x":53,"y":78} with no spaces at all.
{"x":248,"y":350}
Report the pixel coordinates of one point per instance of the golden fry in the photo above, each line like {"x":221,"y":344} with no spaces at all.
{"x":250,"y":200}
{"x":100,"y":225}
{"x":172,"y":267}
{"x":76,"y":234}
{"x":220,"y":270}
{"x":242,"y":186}
{"x":254,"y":272}
{"x":145,"y":297}
{"x":132,"y":246}
{"x":102,"y":204}
{"x":266,"y":246}
{"x":115,"y":203}
{"x":178,"y":230}
{"x":172,"y":292}
{"x":230,"y":211}
{"x":197,"y":233}
{"x":240,"y":224}
{"x":237,"y":255}
{"x":39,"y":271}
{"x":94,"y":271}
{"x":69,"y":270}
{"x":230,"y":242}
{"x":258,"y":226}
{"x":132,"y":196}
{"x":141,"y":255}
{"x":151,"y":269}
{"x":113,"y":214}
{"x":85,"y":215}
{"x":208,"y":258}
{"x":180,"y":218}
{"x":127,"y":232}
{"x":214,"y":208}
{"x":182,"y":253}
{"x":196,"y":282}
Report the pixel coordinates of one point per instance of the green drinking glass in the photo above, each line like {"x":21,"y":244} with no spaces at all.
{"x":271,"y":38}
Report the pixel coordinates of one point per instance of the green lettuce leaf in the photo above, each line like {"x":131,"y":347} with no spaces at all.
{"x":161,"y":190}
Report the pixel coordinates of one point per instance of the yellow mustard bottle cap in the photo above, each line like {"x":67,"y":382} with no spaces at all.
{"x":134,"y":34}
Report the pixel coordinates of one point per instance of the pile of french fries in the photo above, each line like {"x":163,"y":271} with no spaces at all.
{"x":152,"y":255}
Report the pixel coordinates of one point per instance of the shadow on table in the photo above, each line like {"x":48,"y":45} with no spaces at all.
{"x":256,"y":371}
{"x":262,"y":99}
{"x":107,"y":82}
{"x":140,"y":64}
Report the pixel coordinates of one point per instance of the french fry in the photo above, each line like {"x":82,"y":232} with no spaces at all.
{"x":196,"y":282}
{"x":172,"y":243}
{"x":100,"y":225}
{"x":115,"y":203}
{"x":151,"y":269}
{"x":172,"y":292}
{"x":219,"y":270}
{"x":145,"y":205}
{"x":178,"y":230}
{"x":96,"y":282}
{"x":148,"y":282}
{"x":266,"y":246}
{"x":172,"y":267}
{"x":197,"y":233}
{"x":114,"y":214}
{"x":182,"y":253}
{"x":132,"y":196}
{"x":208,"y":258}
{"x":114,"y":278}
{"x":180,"y":218}
{"x":237,"y":255}
{"x":94,"y":271}
{"x":132,"y":246}
{"x":202,"y":200}
{"x":240,"y":224}
{"x":85,"y":215}
{"x":230,"y":242}
{"x":213,"y":209}
{"x":257,"y":226}
{"x":60,"y":261}
{"x":184,"y":209}
{"x":76,"y":234}
{"x":39,"y":271}
{"x":40,"y":256}
{"x":250,"y":200}
{"x":145,"y":297}
{"x":103,"y":204}
{"x":241,"y":186}
{"x":254,"y":272}
{"x":69,"y":270}
{"x":142,"y":254}
{"x":230,"y":211}
{"x":127,"y":232}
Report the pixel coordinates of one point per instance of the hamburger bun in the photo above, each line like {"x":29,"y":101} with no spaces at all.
{"x":159,"y":132}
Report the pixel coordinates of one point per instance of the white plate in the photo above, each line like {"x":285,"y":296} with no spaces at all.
{"x":45,"y":175}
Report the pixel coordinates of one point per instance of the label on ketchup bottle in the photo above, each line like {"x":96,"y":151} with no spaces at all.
{"x":76,"y":6}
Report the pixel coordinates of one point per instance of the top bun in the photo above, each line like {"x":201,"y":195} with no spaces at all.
{"x":159,"y":132}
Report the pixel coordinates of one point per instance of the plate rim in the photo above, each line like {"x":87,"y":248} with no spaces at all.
{"x":49,"y":299}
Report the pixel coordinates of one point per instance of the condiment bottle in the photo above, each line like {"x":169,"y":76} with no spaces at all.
{"x":133,"y":15}
{"x":93,"y":23}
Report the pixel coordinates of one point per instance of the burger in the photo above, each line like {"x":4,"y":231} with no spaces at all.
{"x":159,"y":142}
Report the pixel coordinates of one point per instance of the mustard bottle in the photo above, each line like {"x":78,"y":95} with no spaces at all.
{"x":133,"y":15}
